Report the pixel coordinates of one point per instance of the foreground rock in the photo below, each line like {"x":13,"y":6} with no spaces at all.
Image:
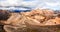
{"x":4,"y":15}
{"x":15,"y":23}
{"x":49,"y":22}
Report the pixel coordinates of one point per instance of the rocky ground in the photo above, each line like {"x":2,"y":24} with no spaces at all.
{"x":34,"y":21}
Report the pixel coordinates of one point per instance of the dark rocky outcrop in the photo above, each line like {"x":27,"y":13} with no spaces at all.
{"x":4,"y":15}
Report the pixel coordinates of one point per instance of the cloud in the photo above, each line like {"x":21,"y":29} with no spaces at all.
{"x":30,"y":4}
{"x":10,"y":2}
{"x":52,"y":4}
{"x":49,"y":4}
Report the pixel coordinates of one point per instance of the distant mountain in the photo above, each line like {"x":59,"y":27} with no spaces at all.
{"x":57,"y":11}
{"x":16,"y":8}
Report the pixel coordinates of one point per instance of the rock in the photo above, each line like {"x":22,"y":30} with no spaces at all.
{"x":15,"y":23}
{"x":40,"y":20}
{"x":4,"y":15}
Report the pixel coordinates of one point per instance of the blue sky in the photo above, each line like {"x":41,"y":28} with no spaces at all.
{"x":43,"y":4}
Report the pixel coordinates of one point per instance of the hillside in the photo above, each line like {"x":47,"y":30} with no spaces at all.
{"x":32,"y":21}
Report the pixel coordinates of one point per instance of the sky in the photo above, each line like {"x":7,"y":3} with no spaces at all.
{"x":43,"y":4}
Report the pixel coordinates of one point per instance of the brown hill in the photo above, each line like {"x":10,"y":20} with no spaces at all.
{"x":34,"y":19}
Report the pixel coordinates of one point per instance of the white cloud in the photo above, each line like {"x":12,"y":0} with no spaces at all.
{"x":32,"y":3}
{"x":52,"y":4}
{"x":10,"y":2}
{"x":49,"y":4}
